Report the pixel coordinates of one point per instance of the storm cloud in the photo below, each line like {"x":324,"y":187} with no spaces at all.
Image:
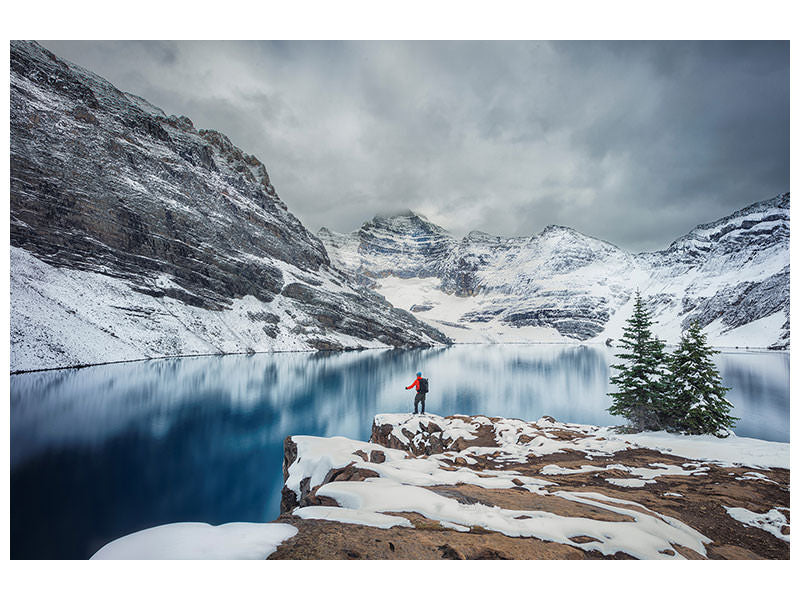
{"x":632,"y":142}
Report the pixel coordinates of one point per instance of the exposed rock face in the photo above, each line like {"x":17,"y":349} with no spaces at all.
{"x":403,"y":245}
{"x":477,"y":487}
{"x":729,"y":273}
{"x":107,"y":189}
{"x":529,"y":282}
{"x":725,"y":274}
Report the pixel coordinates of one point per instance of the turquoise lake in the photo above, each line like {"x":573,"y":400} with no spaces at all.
{"x":100,"y":452}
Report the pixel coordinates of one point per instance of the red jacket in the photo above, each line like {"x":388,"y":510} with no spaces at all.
{"x":415,"y":384}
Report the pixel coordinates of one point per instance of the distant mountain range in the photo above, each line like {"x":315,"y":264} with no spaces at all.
{"x":731,"y":275}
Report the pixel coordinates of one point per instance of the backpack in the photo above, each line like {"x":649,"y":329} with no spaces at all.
{"x":423,"y":386}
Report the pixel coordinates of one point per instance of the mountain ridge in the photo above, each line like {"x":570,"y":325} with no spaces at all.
{"x":524,"y":282}
{"x":136,"y":235}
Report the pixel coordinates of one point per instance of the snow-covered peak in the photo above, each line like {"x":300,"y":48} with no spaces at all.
{"x":405,"y":244}
{"x":772,"y":209}
{"x":557,"y":230}
{"x":480,"y":237}
{"x":405,"y":212}
{"x":405,"y":222}
{"x":758,"y":226}
{"x":726,"y":274}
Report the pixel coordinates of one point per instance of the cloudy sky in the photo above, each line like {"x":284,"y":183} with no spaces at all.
{"x":632,"y":142}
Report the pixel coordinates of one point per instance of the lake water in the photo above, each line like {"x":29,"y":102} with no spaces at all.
{"x":100,"y":452}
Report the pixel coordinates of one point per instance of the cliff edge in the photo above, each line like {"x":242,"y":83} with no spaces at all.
{"x":427,"y":487}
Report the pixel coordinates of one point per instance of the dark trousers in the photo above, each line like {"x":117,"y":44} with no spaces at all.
{"x":420,"y":397}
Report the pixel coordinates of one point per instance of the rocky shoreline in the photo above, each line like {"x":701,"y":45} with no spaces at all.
{"x":430,"y":487}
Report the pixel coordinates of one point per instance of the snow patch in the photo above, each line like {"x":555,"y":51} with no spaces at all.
{"x":771,"y":521}
{"x":730,"y":451}
{"x":646,"y":537}
{"x":631,"y":483}
{"x":194,"y":541}
{"x":349,"y":515}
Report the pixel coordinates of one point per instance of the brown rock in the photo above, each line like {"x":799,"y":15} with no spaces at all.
{"x":700,"y":505}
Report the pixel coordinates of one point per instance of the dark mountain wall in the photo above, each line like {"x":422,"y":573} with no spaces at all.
{"x":103,"y":182}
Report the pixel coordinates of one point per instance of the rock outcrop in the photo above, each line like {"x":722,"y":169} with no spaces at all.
{"x":134,"y":234}
{"x":477,"y":487}
{"x":563,"y":285}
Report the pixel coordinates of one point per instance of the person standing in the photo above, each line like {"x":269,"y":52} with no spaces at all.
{"x":421,"y":385}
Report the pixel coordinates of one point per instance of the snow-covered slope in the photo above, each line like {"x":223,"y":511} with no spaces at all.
{"x":135,"y":235}
{"x":560,"y":285}
{"x":728,"y":275}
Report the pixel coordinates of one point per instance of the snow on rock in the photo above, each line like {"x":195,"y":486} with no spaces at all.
{"x":635,"y":483}
{"x":732,"y":450}
{"x":349,"y":515}
{"x":645,"y":537}
{"x":194,"y":541}
{"x":643,"y":475}
{"x":318,"y":456}
{"x":554,"y":482}
{"x":773,"y":521}
{"x":750,"y":475}
{"x":407,"y":428}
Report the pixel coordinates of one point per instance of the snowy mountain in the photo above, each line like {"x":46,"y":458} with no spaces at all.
{"x":731,"y":275}
{"x":404,"y":245}
{"x":134,"y":235}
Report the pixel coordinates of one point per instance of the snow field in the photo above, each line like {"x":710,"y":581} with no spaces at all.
{"x":645,"y":537}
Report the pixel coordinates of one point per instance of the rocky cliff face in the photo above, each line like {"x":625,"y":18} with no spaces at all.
{"x":403,"y":245}
{"x":477,"y":487}
{"x":728,"y":274}
{"x":135,"y":234}
{"x":731,"y":275}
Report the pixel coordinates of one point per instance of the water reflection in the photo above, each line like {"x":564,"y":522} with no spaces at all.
{"x":99,"y":452}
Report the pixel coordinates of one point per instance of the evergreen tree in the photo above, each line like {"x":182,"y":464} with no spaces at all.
{"x":696,"y":397}
{"x":641,"y":379}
